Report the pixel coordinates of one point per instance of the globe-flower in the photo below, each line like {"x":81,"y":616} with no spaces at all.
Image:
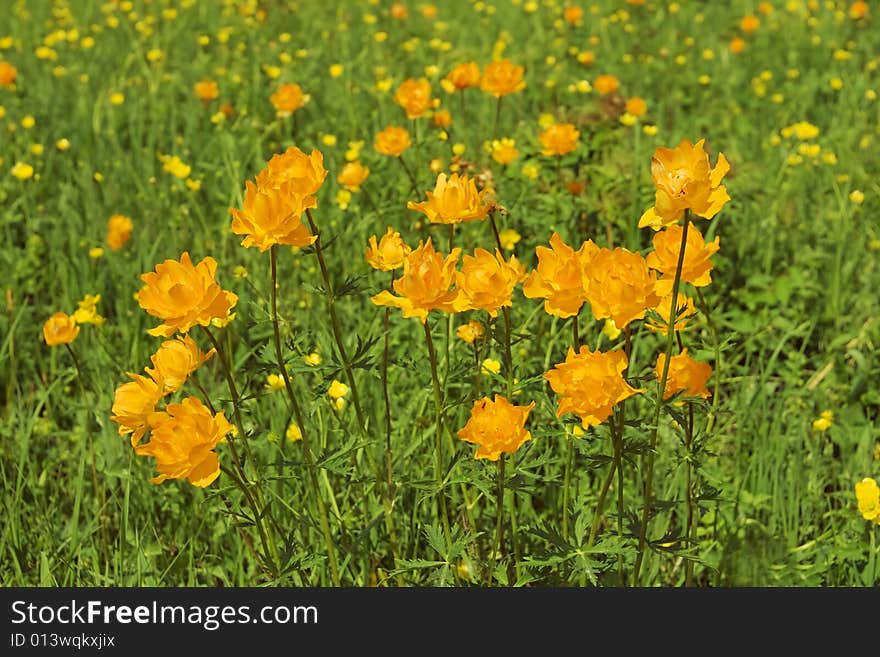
{"x":684,"y":311}
{"x":414,"y":96}
{"x":60,"y":328}
{"x":8,"y":74}
{"x":590,"y":384}
{"x":620,"y":286}
{"x":454,"y":200}
{"x":868,"y":498}
{"x":272,"y":216}
{"x":182,"y":440}
{"x":119,"y":229}
{"x":389,"y":252}
{"x":392,"y":141}
{"x":502,"y":78}
{"x":184,"y":295}
{"x":353,"y":175}
{"x":175,"y":361}
{"x":486,"y":281}
{"x":442,"y":118}
{"x":559,"y":139}
{"x":133,"y":404}
{"x":463,"y":76}
{"x":426,"y":283}
{"x":697,"y":264}
{"x":503,"y":150}
{"x":294,"y":172}
{"x":206,"y":90}
{"x":559,"y":278}
{"x":470,"y":332}
{"x":287,"y":99}
{"x":685,"y":374}
{"x":496,"y":426}
{"x":636,"y":106}
{"x":606,"y":84}
{"x":684,"y":180}
{"x":573,"y":14}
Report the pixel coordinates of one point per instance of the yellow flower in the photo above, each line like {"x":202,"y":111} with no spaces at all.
{"x":620,"y":286}
{"x":353,"y":175}
{"x":87,"y":310}
{"x":590,"y":384}
{"x":684,"y":180}
{"x":184,"y":295}
{"x":684,"y":311}
{"x":175,"y":166}
{"x":454,"y":200}
{"x":22,"y":170}
{"x":62,"y":144}
{"x":857,"y":197}
{"x":117,"y":98}
{"x":497,"y":426}
{"x":573,"y":14}
{"x":294,"y":172}
{"x":8,"y":73}
{"x":206,"y":90}
{"x":293,"y":432}
{"x":389,"y":253}
{"x":610,"y":330}
{"x":471,"y":332}
{"x":414,"y":96}
{"x":823,"y":422}
{"x":696,"y":266}
{"x":502,"y":77}
{"x":133,"y":403}
{"x":606,"y":84}
{"x":182,"y":440}
{"x":336,"y":70}
{"x":503,"y":150}
{"x":96,"y":252}
{"x":868,"y":497}
{"x":119,"y":229}
{"x":559,"y":139}
{"x":60,"y":328}
{"x":272,"y":216}
{"x":313,"y":359}
{"x":857,"y":10}
{"x":274,"y":382}
{"x":685,"y":374}
{"x":393,"y":140}
{"x":337,"y":389}
{"x":509,"y":238}
{"x":559,"y":277}
{"x":749,"y":23}
{"x":490,"y":366}
{"x":287,"y":99}
{"x":486,"y":281}
{"x":464,"y":75}
{"x":442,"y":119}
{"x":425,"y":284}
{"x":175,"y":360}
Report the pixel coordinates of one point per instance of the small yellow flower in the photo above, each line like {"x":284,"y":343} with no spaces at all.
{"x":857,"y":197}
{"x":823,"y":421}
{"x":274,"y":382}
{"x":328,"y":140}
{"x":836,"y":83}
{"x":313,"y":359}
{"x":28,"y":122}
{"x":22,"y":171}
{"x":62,"y":144}
{"x":491,"y":366}
{"x":96,"y":252}
{"x":509,"y":237}
{"x":337,"y":390}
{"x":650,"y":130}
{"x":336,"y":70}
{"x":339,"y":403}
{"x":293,"y":433}
{"x":154,"y":55}
{"x":530,"y":171}
{"x":240,"y":271}
{"x":610,"y":330}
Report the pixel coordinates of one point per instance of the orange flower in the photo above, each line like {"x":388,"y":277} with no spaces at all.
{"x":182,"y":441}
{"x":684,"y":311}
{"x":119,"y":229}
{"x":559,"y":277}
{"x":393,"y":140}
{"x":606,"y":84}
{"x":858,"y":10}
{"x":502,"y":78}
{"x":470,"y":332}
{"x":486,"y":282}
{"x":636,"y":106}
{"x":590,"y":384}
{"x":60,"y":328}
{"x":206,"y":90}
{"x":271,"y":216}
{"x":389,"y":253}
{"x":737,"y":45}
{"x":684,"y":374}
{"x":749,"y":23}
{"x":183,"y":295}
{"x":559,"y":139}
{"x":454,"y":200}
{"x":425,"y":284}
{"x":696,"y":266}
{"x":573,"y":14}
{"x":353,"y":175}
{"x":8,"y":73}
{"x":620,"y":286}
{"x":294,"y":172}
{"x":414,"y":96}
{"x":464,"y":76}
{"x":496,"y":426}
{"x":175,"y":360}
{"x":685,"y":181}
{"x":442,"y":119}
{"x":399,"y":11}
{"x":287,"y":99}
{"x":133,"y":404}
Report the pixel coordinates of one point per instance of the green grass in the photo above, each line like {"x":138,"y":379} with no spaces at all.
{"x":793,"y":298}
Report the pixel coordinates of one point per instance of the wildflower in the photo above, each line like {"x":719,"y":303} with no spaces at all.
{"x":414,"y":96}
{"x":490,"y":366}
{"x":274,"y":382}
{"x":442,"y":119}
{"x":272,"y":216}
{"x":393,"y":140}
{"x":175,"y":166}
{"x":62,"y":144}
{"x":313,"y":359}
{"x":133,"y":403}
{"x":502,"y":77}
{"x":683,"y":312}
{"x":287,"y":99}
{"x":206,"y":90}
{"x":620,"y":286}
{"x":695,"y":267}
{"x":530,"y":170}
{"x":823,"y":422}
{"x":96,"y":252}
{"x":175,"y":360}
{"x":636,"y":106}
{"x":509,"y":238}
{"x":117,"y":98}
{"x":337,"y":389}
{"x":8,"y":73}
{"x":573,"y":15}
{"x":119,"y":229}
{"x":87,"y":310}
{"x":590,"y":384}
{"x":471,"y":332}
{"x":857,"y":197}
{"x":684,"y":180}
{"x":486,"y":282}
{"x":353,"y":175}
{"x":425,"y":284}
{"x":858,"y":10}
{"x":685,"y":374}
{"x":22,"y":171}
{"x":336,"y":70}
{"x":559,"y":139}
{"x":454,"y":200}
{"x":610,"y":330}
{"x":182,"y":440}
{"x":293,"y":433}
{"x":294,"y":172}
{"x":737,"y":45}
{"x":559,"y":277}
{"x":606,"y":84}
{"x":497,"y":426}
{"x":60,"y":328}
{"x":389,"y":253}
{"x":749,"y":23}
{"x":184,"y":295}
{"x":868,"y":497}
{"x":464,"y":75}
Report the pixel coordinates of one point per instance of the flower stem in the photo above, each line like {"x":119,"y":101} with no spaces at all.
{"x":600,"y":505}
{"x":704,"y":308}
{"x":297,"y":412}
{"x":497,"y":118}
{"x":438,"y":439}
{"x":412,"y":178}
{"x":661,"y":387}
{"x":499,"y":518}
{"x":692,"y":472}
{"x":389,"y":461}
{"x":569,"y":461}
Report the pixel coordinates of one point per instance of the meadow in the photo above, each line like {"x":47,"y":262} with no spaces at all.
{"x":280,"y":361}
